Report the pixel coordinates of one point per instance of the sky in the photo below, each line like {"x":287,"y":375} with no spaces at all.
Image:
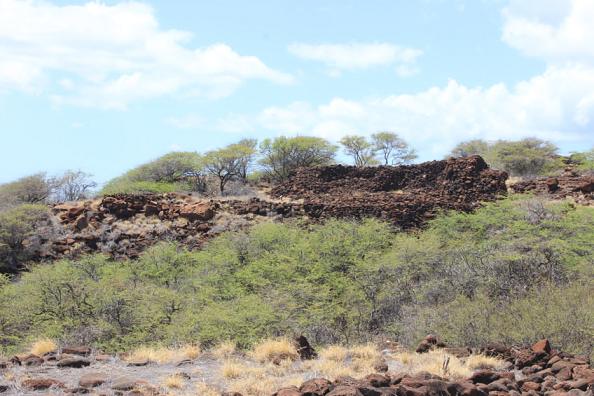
{"x":103,"y":86}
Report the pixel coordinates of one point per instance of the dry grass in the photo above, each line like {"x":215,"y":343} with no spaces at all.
{"x":365,"y":352}
{"x":164,"y":355}
{"x":445,"y":365}
{"x":224,"y":350}
{"x":269,"y":350}
{"x":174,"y":381}
{"x":477,"y":362}
{"x":203,"y":389}
{"x":253,"y":386}
{"x":232,"y":369}
{"x":43,"y":346}
{"x":335,"y":353}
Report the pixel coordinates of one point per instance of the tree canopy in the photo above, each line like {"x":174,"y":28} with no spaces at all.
{"x":283,"y":155}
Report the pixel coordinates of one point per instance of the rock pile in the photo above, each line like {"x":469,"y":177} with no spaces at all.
{"x":405,"y":195}
{"x":532,"y":371}
{"x":126,"y":224}
{"x":569,"y":184}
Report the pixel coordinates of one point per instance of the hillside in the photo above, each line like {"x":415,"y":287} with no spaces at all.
{"x":124,"y":225}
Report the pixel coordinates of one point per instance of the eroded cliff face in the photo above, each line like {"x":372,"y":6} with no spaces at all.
{"x":407,"y":196}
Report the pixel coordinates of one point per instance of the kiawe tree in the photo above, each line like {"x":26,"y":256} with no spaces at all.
{"x":73,"y":186}
{"x":392,"y":148}
{"x":246,"y":150}
{"x":525,"y":157}
{"x":359,"y":149}
{"x":224,"y":164}
{"x":283,"y":155}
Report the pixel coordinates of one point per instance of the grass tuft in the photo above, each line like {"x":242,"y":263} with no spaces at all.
{"x":43,"y":346}
{"x":277,"y":349}
{"x":164,"y":355}
{"x":174,"y":381}
{"x":224,"y":350}
{"x":203,"y":389}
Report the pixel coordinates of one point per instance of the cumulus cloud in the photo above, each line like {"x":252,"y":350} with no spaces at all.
{"x":556,"y":31}
{"x":557,"y":105}
{"x":359,"y":56}
{"x":112,"y":55}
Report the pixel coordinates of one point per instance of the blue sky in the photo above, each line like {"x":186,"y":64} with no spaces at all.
{"x":104,"y":86}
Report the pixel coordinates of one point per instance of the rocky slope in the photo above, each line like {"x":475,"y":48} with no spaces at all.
{"x":407,"y":196}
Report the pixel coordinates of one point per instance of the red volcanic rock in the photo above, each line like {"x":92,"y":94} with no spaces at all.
{"x":542,"y":346}
{"x":41,"y":383}
{"x":197,"y":211}
{"x":407,"y":195}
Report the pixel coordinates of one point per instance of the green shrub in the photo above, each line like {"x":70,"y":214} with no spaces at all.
{"x":515,"y":270}
{"x":16,"y":226}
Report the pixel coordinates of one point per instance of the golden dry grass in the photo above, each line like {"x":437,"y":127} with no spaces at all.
{"x":434,"y":362}
{"x":271,"y":349}
{"x":335,"y":353}
{"x":477,"y":362}
{"x":43,"y":346}
{"x":164,"y":355}
{"x":224,"y":350}
{"x":203,"y":389}
{"x":254,"y":386}
{"x":232,"y":369}
{"x":174,"y":381}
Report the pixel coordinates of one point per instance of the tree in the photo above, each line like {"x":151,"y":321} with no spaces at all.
{"x":530,"y":156}
{"x":225,"y":164}
{"x":246,"y":149}
{"x":175,"y":171}
{"x":283,"y":155}
{"x":359,"y":148}
{"x":172,"y":167}
{"x":16,"y":225}
{"x":526,"y":157}
{"x":32,"y":189}
{"x":73,"y":186}
{"x":471,"y":147}
{"x":583,"y":160}
{"x":393,"y":149}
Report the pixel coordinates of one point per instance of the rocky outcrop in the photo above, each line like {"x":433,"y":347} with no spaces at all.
{"x":405,"y":195}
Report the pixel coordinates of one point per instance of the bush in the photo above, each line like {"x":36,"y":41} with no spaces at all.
{"x":515,"y":270}
{"x":526,"y":157}
{"x":176,"y":171}
{"x":16,"y":226}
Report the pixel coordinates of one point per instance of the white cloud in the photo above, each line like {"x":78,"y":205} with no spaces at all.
{"x":110,"y":56}
{"x":557,"y":105}
{"x":358,"y":56}
{"x":557,"y":31}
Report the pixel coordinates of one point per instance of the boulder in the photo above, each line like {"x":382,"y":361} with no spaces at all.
{"x":41,"y":383}
{"x":77,"y":350}
{"x":541,"y":346}
{"x":341,"y":391}
{"x":315,"y":387}
{"x":91,"y":380}
{"x":304,"y":349}
{"x":199,"y":211}
{"x":290,"y":391}
{"x":73,"y":362}
{"x":484,"y":377}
